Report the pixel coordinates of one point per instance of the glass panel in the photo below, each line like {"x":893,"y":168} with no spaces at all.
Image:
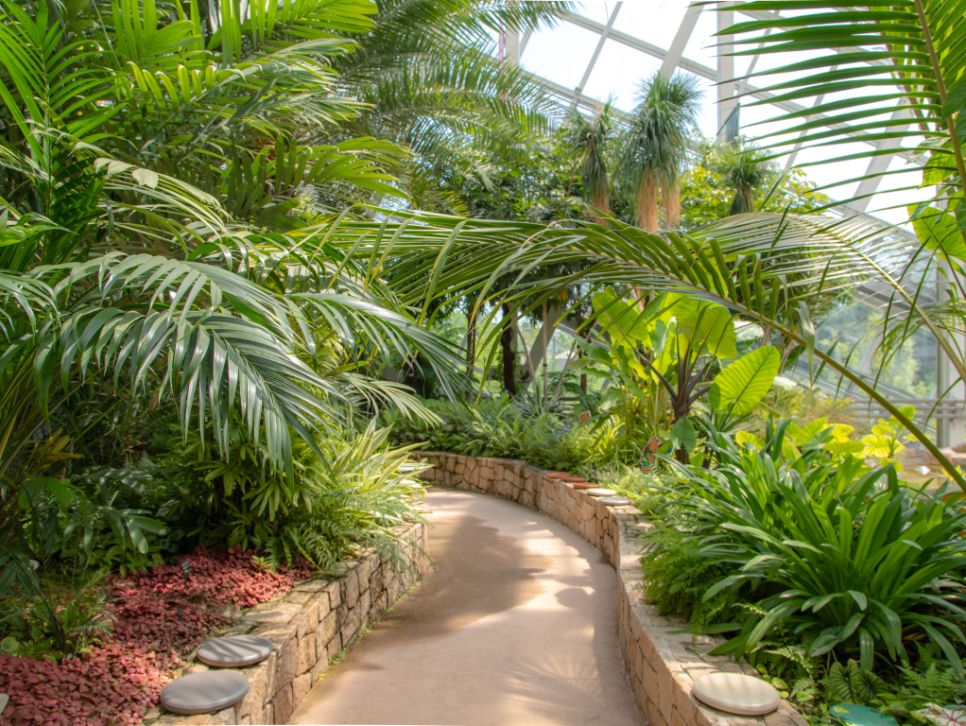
{"x":656,"y":21}
{"x":701,"y":47}
{"x":560,"y":55}
{"x":618,"y":73}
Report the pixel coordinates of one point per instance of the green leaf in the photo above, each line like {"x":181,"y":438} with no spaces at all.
{"x":938,"y":231}
{"x":826,"y":640}
{"x":860,"y":599}
{"x":624,"y":321}
{"x":683,"y":435}
{"x":955,"y":98}
{"x":709,"y":329}
{"x":743,"y":383}
{"x":145,"y":177}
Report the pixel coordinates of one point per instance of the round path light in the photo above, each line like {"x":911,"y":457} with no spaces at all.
{"x":614,"y":501}
{"x":600,"y":492}
{"x":235,"y":651}
{"x":737,"y":693}
{"x":204,"y":692}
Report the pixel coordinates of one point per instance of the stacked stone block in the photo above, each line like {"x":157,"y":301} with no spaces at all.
{"x":309,"y":627}
{"x":661,"y":660}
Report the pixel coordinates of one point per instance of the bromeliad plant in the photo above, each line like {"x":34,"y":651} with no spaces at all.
{"x":849,"y":559}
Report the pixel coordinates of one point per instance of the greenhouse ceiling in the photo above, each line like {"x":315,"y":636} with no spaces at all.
{"x":604,"y":50}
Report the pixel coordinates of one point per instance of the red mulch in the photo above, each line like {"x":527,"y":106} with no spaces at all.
{"x":114,"y":683}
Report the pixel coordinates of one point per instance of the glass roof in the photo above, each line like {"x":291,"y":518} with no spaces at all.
{"x":605,"y":49}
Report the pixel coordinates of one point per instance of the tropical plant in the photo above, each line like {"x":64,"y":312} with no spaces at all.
{"x":667,"y":357}
{"x":431,"y":78}
{"x":48,"y":576}
{"x":904,"y":59}
{"x":656,"y":143}
{"x":746,"y":170}
{"x":855,"y":562}
{"x":708,"y":190}
{"x":930,"y":684}
{"x":590,"y":139}
{"x":504,"y":428}
{"x":136,"y":191}
{"x":676,"y":577}
{"x":771,"y":268}
{"x":354,"y":493}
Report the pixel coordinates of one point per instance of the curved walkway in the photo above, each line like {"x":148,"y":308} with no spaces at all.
{"x":517,"y":626}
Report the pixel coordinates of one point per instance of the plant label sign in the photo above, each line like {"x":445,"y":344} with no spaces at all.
{"x":185,"y":571}
{"x":649,"y":455}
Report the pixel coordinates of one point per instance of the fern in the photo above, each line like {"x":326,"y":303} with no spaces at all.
{"x":676,"y":578}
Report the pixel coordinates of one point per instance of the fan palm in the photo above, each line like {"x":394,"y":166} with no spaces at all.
{"x":656,"y":144}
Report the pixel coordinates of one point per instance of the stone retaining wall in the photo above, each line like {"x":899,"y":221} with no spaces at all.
{"x":309,"y":627}
{"x":662,"y":662}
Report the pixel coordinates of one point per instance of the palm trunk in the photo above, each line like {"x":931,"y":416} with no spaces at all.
{"x":647,"y":202}
{"x":506,"y":341}
{"x":672,"y":204}
{"x":601,"y":200}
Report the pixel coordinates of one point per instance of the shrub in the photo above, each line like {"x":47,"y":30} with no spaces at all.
{"x":676,"y":576}
{"x":859,"y":562}
{"x":351,"y":498}
{"x":500,"y":428}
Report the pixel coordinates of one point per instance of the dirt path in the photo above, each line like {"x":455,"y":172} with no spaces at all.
{"x":517,"y":627}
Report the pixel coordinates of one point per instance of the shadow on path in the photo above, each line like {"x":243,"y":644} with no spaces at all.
{"x":517,"y":625}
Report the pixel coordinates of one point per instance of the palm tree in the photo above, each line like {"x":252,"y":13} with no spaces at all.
{"x":767,"y":266}
{"x":431,"y":80}
{"x":150,"y":192}
{"x":656,"y":144}
{"x":746,"y":170}
{"x":590,"y":138}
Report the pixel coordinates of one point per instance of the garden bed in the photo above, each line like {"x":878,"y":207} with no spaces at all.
{"x":309,"y":620}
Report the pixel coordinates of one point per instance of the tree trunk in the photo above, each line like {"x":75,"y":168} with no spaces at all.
{"x":543,"y":336}
{"x":506,"y":341}
{"x":672,"y":204}
{"x":471,"y":339}
{"x":600,"y":200}
{"x":647,"y":202}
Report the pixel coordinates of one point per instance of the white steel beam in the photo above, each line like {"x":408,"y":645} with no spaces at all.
{"x":524,"y":40}
{"x":511,"y":41}
{"x":591,"y":104}
{"x":878,"y":165}
{"x":727,"y":97}
{"x":600,"y":46}
{"x":681,"y":38}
